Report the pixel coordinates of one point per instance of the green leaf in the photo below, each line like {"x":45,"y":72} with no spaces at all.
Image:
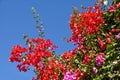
{"x":84,"y":69}
{"x":76,"y":61}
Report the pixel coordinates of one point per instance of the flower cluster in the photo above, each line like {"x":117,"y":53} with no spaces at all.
{"x":69,"y":75}
{"x":85,"y":23}
{"x":100,"y":59}
{"x":38,"y":54}
{"x":16,"y":53}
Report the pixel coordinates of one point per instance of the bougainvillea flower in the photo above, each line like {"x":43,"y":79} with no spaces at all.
{"x":100,"y":59}
{"x":16,"y":54}
{"x":69,"y":75}
{"x":101,"y":44}
{"x":108,"y":40}
{"x":117,"y":36}
{"x":85,"y":23}
{"x":118,"y":4}
{"x":111,"y":9}
{"x":95,"y":70}
{"x":86,"y":59}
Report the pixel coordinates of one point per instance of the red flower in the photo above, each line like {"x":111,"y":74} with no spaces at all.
{"x":16,"y":54}
{"x":118,"y":4}
{"x":115,"y":30}
{"x":38,"y":50}
{"x":85,"y":23}
{"x":108,"y":40}
{"x":101,"y":44}
{"x":86,"y":59}
{"x":111,"y":9}
{"x":67,"y":56}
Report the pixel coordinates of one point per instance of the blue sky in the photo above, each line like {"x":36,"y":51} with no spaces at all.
{"x":17,"y":19}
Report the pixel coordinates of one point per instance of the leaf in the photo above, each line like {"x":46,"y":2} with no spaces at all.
{"x":76,"y":61}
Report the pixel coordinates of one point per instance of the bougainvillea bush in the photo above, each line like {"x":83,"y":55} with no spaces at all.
{"x":96,"y":35}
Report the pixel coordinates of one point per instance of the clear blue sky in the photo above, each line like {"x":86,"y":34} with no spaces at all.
{"x":17,"y":19}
